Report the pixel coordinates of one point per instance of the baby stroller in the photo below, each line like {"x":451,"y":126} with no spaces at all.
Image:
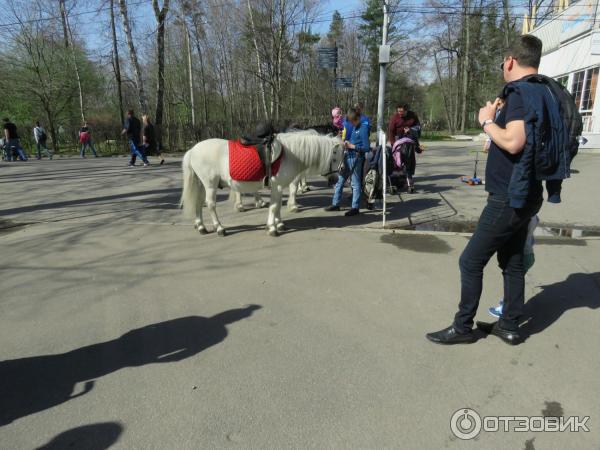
{"x":400,"y":163}
{"x":404,"y":161}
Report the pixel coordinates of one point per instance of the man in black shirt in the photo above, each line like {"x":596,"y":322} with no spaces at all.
{"x":12,"y":141}
{"x":501,"y":230}
{"x":133,"y":129}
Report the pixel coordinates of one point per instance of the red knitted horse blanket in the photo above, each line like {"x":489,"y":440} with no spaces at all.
{"x":245,"y":164}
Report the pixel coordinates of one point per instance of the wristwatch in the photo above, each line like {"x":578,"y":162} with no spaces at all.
{"x":486,"y":122}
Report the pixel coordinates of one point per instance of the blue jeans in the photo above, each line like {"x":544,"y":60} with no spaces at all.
{"x":14,"y":144}
{"x":501,"y":230}
{"x":135,"y":152}
{"x":84,"y":146}
{"x":40,"y":146}
{"x":351,"y":160}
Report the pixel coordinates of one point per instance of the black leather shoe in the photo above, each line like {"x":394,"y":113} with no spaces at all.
{"x":451,"y":336}
{"x":508,"y":336}
{"x":352,"y":212}
{"x":332,"y":208}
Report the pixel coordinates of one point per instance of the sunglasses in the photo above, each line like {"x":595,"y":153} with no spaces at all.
{"x":502,"y":65}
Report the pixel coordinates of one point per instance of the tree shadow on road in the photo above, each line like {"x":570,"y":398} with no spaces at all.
{"x":31,"y":385}
{"x":97,"y":436}
{"x":579,"y":290}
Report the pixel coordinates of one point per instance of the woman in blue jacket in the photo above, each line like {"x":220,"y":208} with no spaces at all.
{"x":357,"y":145}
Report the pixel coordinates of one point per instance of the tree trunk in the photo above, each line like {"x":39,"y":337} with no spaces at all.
{"x":77,"y":74}
{"x":261,"y":79}
{"x":465,"y":67}
{"x":447,"y":107}
{"x":116,"y":62}
{"x":160,"y":15}
{"x":191,"y":78}
{"x":134,"y":59}
{"x":63,"y":19}
{"x":68,"y":37}
{"x":202,"y":75}
{"x":506,"y":10}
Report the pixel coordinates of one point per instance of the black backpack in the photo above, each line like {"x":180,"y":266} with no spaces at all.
{"x":43,"y":136}
{"x":568,"y":110}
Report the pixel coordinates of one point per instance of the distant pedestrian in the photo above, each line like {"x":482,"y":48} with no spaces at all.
{"x":133,"y":129}
{"x":85,"y":140}
{"x":40,"y":137}
{"x":12,"y":143}
{"x":150,"y":145}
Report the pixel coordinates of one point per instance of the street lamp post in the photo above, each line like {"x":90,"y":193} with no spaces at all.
{"x":384,"y":59}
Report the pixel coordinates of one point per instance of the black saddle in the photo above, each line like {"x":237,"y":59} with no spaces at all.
{"x":262,"y":139}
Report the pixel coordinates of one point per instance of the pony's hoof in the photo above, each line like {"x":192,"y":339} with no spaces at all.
{"x":221,"y":231}
{"x":261,"y":204}
{"x":240,"y":208}
{"x":273,"y":231}
{"x":280,"y":227}
{"x":202,"y":229}
{"x":293,"y":209}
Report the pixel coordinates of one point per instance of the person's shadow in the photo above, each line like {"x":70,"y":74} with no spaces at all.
{"x":30,"y":385}
{"x":97,"y":436}
{"x":579,"y":290}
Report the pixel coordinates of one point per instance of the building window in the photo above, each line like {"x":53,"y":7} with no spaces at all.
{"x":584,"y":87}
{"x":589,"y":90}
{"x":564,"y":81}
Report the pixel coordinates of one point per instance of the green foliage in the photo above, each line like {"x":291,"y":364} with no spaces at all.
{"x":336,"y":29}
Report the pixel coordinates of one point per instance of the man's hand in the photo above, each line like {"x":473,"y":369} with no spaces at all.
{"x":488,"y":112}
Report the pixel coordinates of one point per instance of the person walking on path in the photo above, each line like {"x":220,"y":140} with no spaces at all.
{"x":85,"y":140}
{"x":40,"y":137}
{"x":150,"y":145}
{"x":133,"y":129}
{"x":502,"y":229}
{"x":12,"y":142}
{"x":356,"y":146}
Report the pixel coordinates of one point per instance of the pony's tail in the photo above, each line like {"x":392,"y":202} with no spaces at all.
{"x":191,"y":187}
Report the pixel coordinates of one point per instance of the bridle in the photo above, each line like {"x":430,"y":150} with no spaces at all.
{"x":331,"y":169}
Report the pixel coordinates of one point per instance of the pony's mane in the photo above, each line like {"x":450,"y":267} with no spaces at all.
{"x":312,"y":149}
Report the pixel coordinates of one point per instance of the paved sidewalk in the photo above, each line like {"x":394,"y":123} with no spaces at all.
{"x":122,"y":327}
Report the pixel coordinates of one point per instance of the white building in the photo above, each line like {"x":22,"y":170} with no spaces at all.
{"x":571,"y":55}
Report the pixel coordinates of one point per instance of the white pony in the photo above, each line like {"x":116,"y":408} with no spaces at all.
{"x":206,"y":168}
{"x":299,"y":183}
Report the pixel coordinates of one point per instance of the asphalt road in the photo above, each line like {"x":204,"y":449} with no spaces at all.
{"x":122,"y":328}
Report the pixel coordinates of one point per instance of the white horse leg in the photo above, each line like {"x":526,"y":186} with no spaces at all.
{"x":292,"y":206}
{"x":211,"y":203}
{"x":274,"y":223}
{"x":303,"y":184}
{"x":199,"y":224}
{"x":258,"y":201}
{"x":238,"y":204}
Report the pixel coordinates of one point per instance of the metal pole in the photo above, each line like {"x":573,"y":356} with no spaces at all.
{"x":380,"y":107}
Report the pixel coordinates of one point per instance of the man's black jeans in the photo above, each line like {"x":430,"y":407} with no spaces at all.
{"x":502,"y":230}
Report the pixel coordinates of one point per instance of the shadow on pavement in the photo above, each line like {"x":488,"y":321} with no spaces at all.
{"x":579,"y":290}
{"x":31,"y":385}
{"x":98,"y":436}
